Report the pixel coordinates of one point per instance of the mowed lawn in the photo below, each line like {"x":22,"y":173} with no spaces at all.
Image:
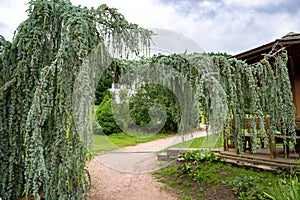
{"x":102,"y":143}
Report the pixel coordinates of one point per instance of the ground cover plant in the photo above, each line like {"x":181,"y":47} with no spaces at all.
{"x":201,"y":175}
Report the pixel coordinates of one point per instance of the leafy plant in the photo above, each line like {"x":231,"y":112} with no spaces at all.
{"x":191,"y":165}
{"x":171,"y":183}
{"x":197,"y":156}
{"x":198,"y":176}
{"x":185,"y":168}
{"x":246,"y":187}
{"x":286,"y":189}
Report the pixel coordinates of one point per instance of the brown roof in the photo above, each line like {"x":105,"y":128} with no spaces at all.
{"x":291,"y":36}
{"x":288,"y":39}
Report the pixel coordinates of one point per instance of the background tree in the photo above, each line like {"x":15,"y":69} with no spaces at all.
{"x":219,"y":54}
{"x":104,"y":83}
{"x":147,"y":98}
{"x":44,"y":72}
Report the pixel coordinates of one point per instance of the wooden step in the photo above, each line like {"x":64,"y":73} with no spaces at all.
{"x":163,"y":156}
{"x":249,"y":160}
{"x":255,"y":157}
{"x":258,"y":162}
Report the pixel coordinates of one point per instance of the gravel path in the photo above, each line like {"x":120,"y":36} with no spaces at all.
{"x":125,"y":174}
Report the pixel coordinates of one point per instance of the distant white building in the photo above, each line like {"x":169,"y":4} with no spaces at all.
{"x":116,"y":88}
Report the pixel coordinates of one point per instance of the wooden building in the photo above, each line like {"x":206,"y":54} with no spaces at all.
{"x":291,"y":42}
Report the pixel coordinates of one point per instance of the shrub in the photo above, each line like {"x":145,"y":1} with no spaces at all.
{"x":105,"y":117}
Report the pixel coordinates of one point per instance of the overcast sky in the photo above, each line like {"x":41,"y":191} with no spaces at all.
{"x":231,"y":26}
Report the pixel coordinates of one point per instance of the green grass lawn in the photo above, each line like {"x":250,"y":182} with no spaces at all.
{"x":111,"y":142}
{"x":102,"y":143}
{"x":210,"y":141}
{"x":107,"y":143}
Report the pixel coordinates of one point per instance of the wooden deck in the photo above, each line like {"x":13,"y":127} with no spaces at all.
{"x":273,"y":139}
{"x":261,"y":159}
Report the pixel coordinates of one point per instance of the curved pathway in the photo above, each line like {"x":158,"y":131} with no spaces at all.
{"x":125,"y":174}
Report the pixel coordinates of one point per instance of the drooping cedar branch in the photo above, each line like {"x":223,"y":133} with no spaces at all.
{"x":224,"y":91}
{"x":43,"y":128}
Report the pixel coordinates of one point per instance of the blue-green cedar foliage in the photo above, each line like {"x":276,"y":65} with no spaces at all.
{"x":43,"y":148}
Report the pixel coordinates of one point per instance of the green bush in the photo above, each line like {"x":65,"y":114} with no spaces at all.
{"x":153,"y":105}
{"x":105,"y":117}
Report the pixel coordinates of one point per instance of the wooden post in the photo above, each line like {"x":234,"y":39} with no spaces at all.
{"x":286,"y":150}
{"x":272,"y":143}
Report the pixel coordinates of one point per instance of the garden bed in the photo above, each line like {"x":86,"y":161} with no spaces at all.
{"x":198,"y":176}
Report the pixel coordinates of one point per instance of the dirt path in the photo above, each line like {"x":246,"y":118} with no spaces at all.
{"x":125,"y":174}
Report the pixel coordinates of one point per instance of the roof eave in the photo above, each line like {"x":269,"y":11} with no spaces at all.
{"x":267,"y":46}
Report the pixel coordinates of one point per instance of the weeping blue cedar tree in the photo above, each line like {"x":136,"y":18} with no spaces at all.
{"x":43,"y":142}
